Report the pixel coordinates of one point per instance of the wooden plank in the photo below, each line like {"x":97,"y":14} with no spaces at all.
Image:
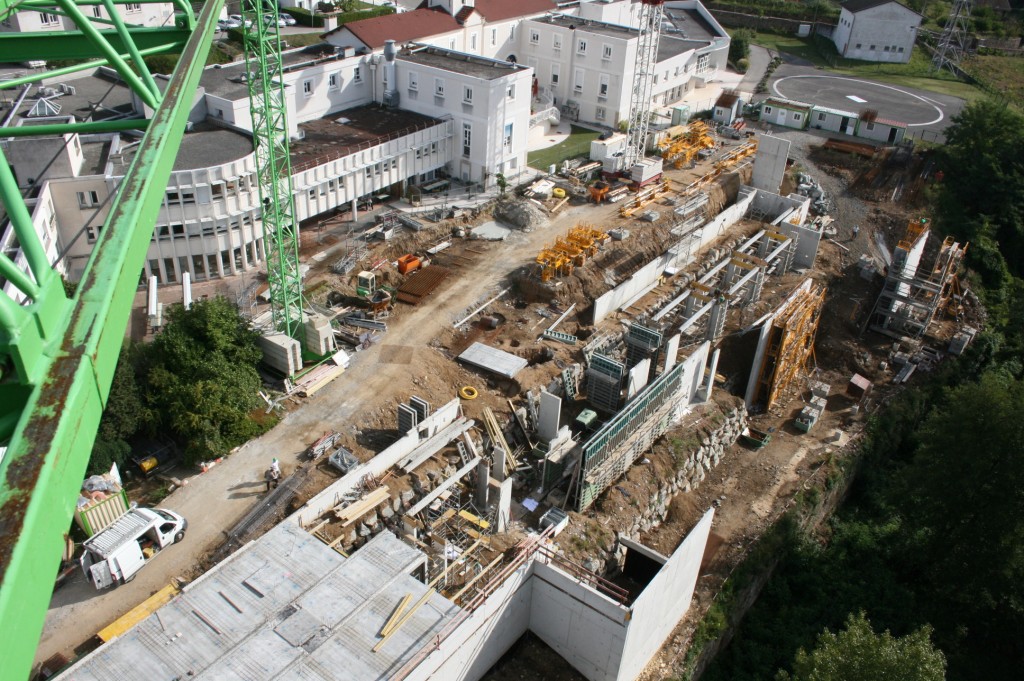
{"x":476,"y":520}
{"x":389,"y":625}
{"x":364,"y":505}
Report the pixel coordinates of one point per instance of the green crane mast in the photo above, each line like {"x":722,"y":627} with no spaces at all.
{"x":265,"y":78}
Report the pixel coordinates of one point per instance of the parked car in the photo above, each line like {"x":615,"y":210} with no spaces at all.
{"x":117,"y":553}
{"x":240,"y":21}
{"x":225,"y":24}
{"x":288,"y":19}
{"x":268,"y":19}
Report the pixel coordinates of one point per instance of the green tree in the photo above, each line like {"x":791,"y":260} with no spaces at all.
{"x":857,"y":653}
{"x":982,"y":192}
{"x":123,"y":417}
{"x":201,"y":378}
{"x":739,"y":45}
{"x":965,"y":492}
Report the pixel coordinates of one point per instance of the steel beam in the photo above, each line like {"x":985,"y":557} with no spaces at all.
{"x":51,"y":45}
{"x":48,"y":452}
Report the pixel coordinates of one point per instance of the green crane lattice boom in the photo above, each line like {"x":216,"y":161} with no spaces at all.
{"x":57,"y":357}
{"x":265,"y":78}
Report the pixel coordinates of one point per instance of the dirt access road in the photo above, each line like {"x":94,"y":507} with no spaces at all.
{"x":215,"y":501}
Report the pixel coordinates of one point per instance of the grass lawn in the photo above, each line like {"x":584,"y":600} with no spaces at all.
{"x":577,"y":144}
{"x":916,"y":74}
{"x":303,"y":39}
{"x":1003,"y":74}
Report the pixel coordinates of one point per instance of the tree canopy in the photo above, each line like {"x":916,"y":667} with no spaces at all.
{"x":857,"y":653}
{"x":197,"y":382}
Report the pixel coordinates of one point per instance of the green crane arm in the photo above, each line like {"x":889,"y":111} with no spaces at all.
{"x":58,"y":356}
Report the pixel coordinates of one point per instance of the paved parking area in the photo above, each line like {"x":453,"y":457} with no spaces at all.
{"x":919,"y":109}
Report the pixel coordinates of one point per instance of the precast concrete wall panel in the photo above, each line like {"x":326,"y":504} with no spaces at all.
{"x":481,"y":640}
{"x":664,"y":601}
{"x":581,"y":625}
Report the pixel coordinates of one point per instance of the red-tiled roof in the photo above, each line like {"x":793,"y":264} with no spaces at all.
{"x":889,"y":122}
{"x":499,"y":10}
{"x":401,"y":28}
{"x":463,"y":14}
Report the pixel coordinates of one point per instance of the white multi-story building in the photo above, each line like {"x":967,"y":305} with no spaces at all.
{"x":134,"y":14}
{"x":465,"y":115}
{"x":876,"y":30}
{"x":365,"y":120}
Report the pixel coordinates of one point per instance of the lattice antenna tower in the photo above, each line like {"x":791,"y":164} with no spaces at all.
{"x":651,"y":12}
{"x":953,"y":42}
{"x":273,"y":164}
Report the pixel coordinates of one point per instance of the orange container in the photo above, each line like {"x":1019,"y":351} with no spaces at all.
{"x":408,"y":263}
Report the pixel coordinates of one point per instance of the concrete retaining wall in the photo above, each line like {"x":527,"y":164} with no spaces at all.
{"x":646,"y":278}
{"x":333,"y":494}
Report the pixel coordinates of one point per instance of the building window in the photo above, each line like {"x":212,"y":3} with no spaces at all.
{"x":821,"y":116}
{"x":767,"y":110}
{"x":133,"y":7}
{"x":467,"y":138}
{"x":472,"y":42}
{"x":88,"y":199}
{"x":607,"y":52}
{"x":872,"y":47}
{"x":307,"y":88}
{"x":556,"y":41}
{"x":451,"y":44}
{"x":357,"y":75}
{"x":467,"y":95}
{"x":511,"y":91}
{"x":433,"y":147}
{"x":494,"y":37}
{"x":602,"y":90}
{"x":797,"y":117}
{"x":554,"y":75}
{"x":702,"y":63}
{"x":97,"y":12}
{"x":332,"y":81}
{"x":886,"y":48}
{"x":507,"y":138}
{"x":48,"y":19}
{"x":312,"y":194}
{"x":439,"y":87}
{"x":581,"y":46}
{"x":512,"y":32}
{"x":413,"y":81}
{"x":577,"y":81}
{"x":871,"y":126}
{"x":900,"y":50}
{"x":599,"y":113}
{"x":858,"y":46}
{"x":534,"y":37}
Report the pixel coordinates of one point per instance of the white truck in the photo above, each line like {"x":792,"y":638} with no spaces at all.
{"x":114,"y":555}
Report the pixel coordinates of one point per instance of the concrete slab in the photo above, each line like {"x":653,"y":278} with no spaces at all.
{"x":494,"y":360}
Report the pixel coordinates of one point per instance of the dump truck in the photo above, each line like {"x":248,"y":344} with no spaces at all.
{"x":115,"y":555}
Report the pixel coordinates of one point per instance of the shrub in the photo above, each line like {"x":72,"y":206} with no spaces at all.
{"x":742,"y":65}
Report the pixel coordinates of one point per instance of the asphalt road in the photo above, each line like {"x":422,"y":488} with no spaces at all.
{"x":919,"y":109}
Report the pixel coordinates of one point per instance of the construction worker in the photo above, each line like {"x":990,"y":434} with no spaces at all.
{"x":856,"y":231}
{"x":272,"y":476}
{"x":275,"y":466}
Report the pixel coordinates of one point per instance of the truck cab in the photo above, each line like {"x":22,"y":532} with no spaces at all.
{"x":117,"y":553}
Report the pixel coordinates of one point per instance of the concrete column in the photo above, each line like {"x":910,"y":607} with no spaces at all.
{"x":498,"y":464}
{"x":355,"y":209}
{"x":504,"y":505}
{"x":483,"y":472}
{"x":550,"y":413}
{"x":712,"y":368}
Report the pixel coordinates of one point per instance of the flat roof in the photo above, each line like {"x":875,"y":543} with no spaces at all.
{"x":205,"y":146}
{"x":460,"y":62}
{"x":225,"y":80}
{"x":669,"y":45}
{"x":688,"y":23}
{"x":344,"y":132}
{"x":96,"y":97}
{"x":284,"y":607}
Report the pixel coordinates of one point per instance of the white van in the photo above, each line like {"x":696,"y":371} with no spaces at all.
{"x":114,"y":555}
